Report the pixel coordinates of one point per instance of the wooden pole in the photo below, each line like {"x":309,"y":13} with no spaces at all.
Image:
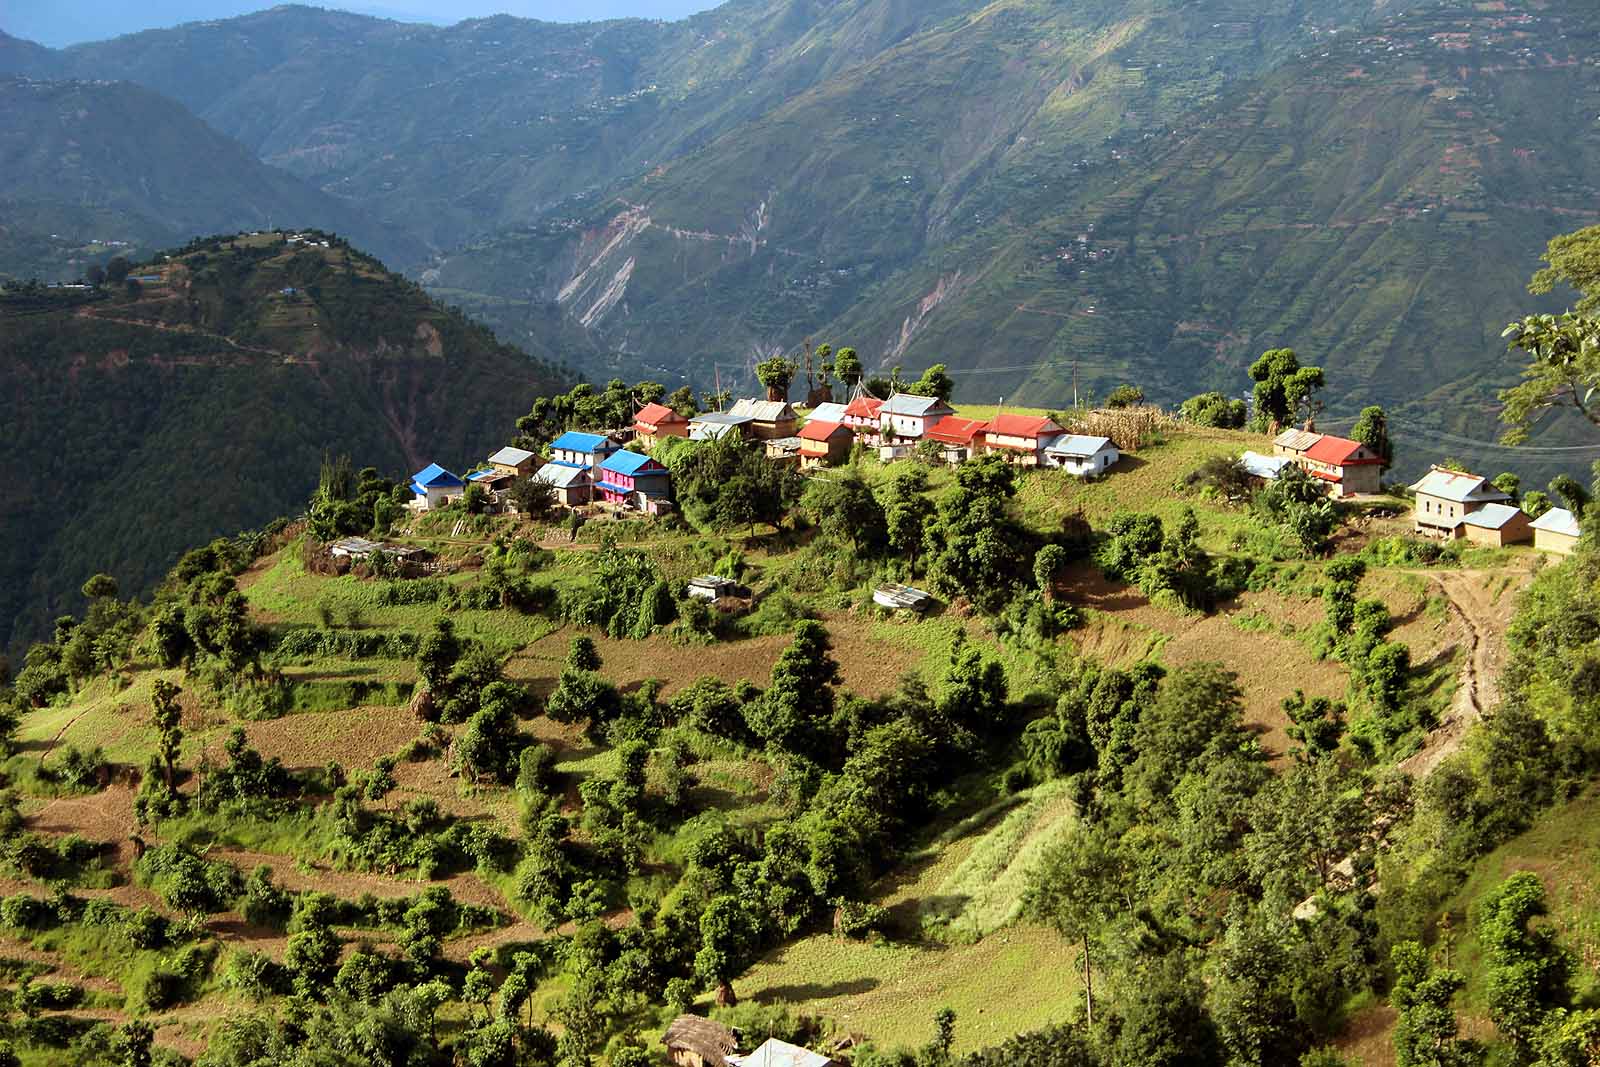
{"x":1088,"y":980}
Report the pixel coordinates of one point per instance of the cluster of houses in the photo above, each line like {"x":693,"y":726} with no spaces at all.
{"x":1450,"y":504}
{"x":597,"y":468}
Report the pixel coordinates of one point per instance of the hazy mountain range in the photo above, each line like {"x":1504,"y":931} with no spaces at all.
{"x":1035,"y":192}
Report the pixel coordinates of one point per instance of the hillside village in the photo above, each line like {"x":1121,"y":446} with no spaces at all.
{"x":706,"y":730}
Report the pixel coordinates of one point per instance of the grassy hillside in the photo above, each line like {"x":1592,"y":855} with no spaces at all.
{"x":341,"y":670}
{"x":143,"y":425}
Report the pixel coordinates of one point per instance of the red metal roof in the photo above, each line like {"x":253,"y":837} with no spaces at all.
{"x":1022,"y":425}
{"x":656,"y":414}
{"x":863,"y":407}
{"x":953,"y":431}
{"x":1339,"y":452}
{"x":1324,"y":475}
{"x":819,"y":431}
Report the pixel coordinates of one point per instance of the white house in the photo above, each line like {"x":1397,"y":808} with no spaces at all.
{"x":1080,"y":454}
{"x":906,"y":416}
{"x":587,"y":450}
{"x":1556,"y":532}
{"x":434,"y":487}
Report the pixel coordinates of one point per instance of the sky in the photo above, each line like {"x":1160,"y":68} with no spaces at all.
{"x":62,"y":22}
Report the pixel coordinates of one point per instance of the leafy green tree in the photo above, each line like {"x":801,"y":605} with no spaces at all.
{"x":166,"y":714}
{"x":1563,"y":369}
{"x":1163,"y":1022}
{"x":133,"y":1042}
{"x":1285,"y":391}
{"x":794,"y":713}
{"x":1372,"y":430}
{"x":1215,"y":410}
{"x":1252,"y":995}
{"x":847,"y":365}
{"x":1536,"y":502}
{"x":729,"y":940}
{"x":582,"y":655}
{"x":1079,"y":887}
{"x":982,"y":549}
{"x":1125,"y":396}
{"x":776,"y":374}
{"x":1197,"y":716}
{"x":1529,"y":974}
{"x":935,"y":381}
{"x":117,"y":270}
{"x":101,"y":586}
{"x":533,"y":497}
{"x":1426,"y":1034}
{"x":845,"y":511}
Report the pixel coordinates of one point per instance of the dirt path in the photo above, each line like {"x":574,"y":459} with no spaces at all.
{"x":1481,"y":603}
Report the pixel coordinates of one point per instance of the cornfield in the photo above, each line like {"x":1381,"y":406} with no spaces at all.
{"x":1128,"y":428}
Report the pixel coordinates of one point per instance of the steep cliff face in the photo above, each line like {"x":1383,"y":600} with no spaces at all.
{"x":137,"y":427}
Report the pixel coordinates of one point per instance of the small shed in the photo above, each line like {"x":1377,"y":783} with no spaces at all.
{"x":902,"y":597}
{"x":1556,"y":532}
{"x":714,"y":587}
{"x":1497,"y":525}
{"x":1263,"y":469}
{"x":783,"y":449}
{"x":693,"y":1041}
{"x":516,"y":462}
{"x":775,"y":1053}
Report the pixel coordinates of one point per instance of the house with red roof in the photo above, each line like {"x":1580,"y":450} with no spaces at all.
{"x":824,"y":444}
{"x":959,"y":439}
{"x":1020,"y":438}
{"x":1349,"y":467}
{"x":862,"y":416}
{"x":655,"y":421}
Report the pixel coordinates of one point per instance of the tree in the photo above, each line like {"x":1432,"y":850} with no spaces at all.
{"x":95,"y":275}
{"x":1285,"y":391}
{"x":533,"y":497}
{"x":1529,"y":973}
{"x":166,"y":714}
{"x":776,"y":374}
{"x":1508,"y":483}
{"x":794,"y":713}
{"x":1125,"y":396}
{"x":117,"y":270}
{"x":582,"y":655}
{"x":132,"y":1044}
{"x":1213,"y":409}
{"x":1571,"y":492}
{"x":1563,"y":369}
{"x":846,"y":512}
{"x":1572,"y":259}
{"x":1426,"y":1033}
{"x":728,"y":943}
{"x":100,"y":587}
{"x":1372,"y":430}
{"x":1050,"y":561}
{"x":934,"y":382}
{"x":1078,"y":888}
{"x":847,"y":365}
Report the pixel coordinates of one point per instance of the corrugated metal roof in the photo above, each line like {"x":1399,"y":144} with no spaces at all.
{"x":1297,"y":440}
{"x":563,"y":475}
{"x":511,"y":457}
{"x":722,"y":418}
{"x":1023,"y":425}
{"x":775,"y":1053}
{"x":826,"y":413}
{"x":764,"y":410}
{"x":821,"y":431}
{"x":1492,"y":516}
{"x":656,"y":414}
{"x":630,"y":463}
{"x":574,"y":441}
{"x":911,"y":404}
{"x":436,"y":477}
{"x":1077,"y":444}
{"x":1454,"y":485}
{"x":1339,"y":452}
{"x":864,"y":406}
{"x":1558,"y":521}
{"x":954,"y":431}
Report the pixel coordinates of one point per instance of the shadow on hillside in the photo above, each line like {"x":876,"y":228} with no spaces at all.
{"x":802,"y":991}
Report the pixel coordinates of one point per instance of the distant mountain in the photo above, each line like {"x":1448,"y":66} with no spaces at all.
{"x":139,"y":426}
{"x":1041,"y":193}
{"x":140,"y":168}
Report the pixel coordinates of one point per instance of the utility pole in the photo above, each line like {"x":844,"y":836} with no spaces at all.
{"x":1074,"y":381}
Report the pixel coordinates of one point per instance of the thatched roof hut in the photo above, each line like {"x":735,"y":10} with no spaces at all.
{"x":694,"y":1041}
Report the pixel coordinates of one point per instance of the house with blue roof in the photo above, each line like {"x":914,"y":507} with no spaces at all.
{"x":434,"y":487}
{"x":633,"y":479}
{"x":589,"y":450}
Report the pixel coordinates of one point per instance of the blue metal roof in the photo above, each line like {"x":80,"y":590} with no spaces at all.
{"x":629,"y":463}
{"x":573,"y":441}
{"x":436,"y":477}
{"x":613,"y":486}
